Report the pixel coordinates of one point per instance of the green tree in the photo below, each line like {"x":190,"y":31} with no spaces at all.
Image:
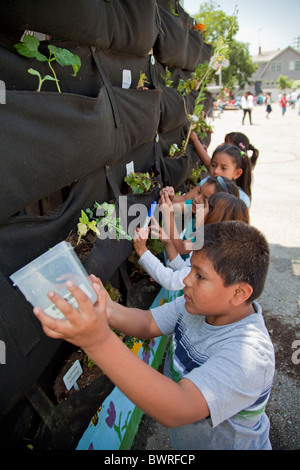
{"x":240,"y":68}
{"x":283,"y":82}
{"x":217,"y":23}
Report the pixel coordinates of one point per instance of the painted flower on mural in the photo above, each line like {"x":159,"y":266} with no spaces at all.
{"x":111,"y":418}
{"x":147,"y":351}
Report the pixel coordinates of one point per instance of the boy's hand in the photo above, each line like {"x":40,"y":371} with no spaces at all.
{"x":139,"y":240}
{"x":86,"y":327}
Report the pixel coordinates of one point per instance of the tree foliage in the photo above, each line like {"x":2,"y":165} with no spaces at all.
{"x":217,"y":23}
{"x":241,"y":67}
{"x":283,"y":82}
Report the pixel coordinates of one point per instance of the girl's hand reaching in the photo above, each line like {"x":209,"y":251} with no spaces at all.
{"x":169,"y":190}
{"x":139,"y":240}
{"x":158,"y":232}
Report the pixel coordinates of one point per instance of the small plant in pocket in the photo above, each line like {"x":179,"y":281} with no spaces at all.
{"x":140,"y":183}
{"x":84,"y":225}
{"x":29,"y":48}
{"x":142,"y":82}
{"x":193,"y":178}
{"x":167,"y":77}
{"x":109,"y":220}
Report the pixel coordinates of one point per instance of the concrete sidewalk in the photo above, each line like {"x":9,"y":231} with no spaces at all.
{"x":275,"y":210}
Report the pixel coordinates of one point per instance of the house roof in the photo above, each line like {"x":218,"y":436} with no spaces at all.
{"x":267,"y":56}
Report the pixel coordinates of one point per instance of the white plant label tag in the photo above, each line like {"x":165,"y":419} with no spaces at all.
{"x":72,"y":375}
{"x":129,"y":168}
{"x":126,"y":78}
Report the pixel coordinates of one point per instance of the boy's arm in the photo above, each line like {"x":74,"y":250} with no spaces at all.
{"x":170,"y":403}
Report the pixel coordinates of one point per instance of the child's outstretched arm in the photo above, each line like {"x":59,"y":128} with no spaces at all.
{"x":170,"y":225}
{"x":200,"y":149}
{"x":165,"y":276}
{"x":177,"y":200}
{"x":170,"y":403}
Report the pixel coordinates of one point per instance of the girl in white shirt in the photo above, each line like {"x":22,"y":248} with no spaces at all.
{"x":221,"y":207}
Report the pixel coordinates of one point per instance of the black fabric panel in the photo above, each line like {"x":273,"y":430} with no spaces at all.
{"x":177,"y":44}
{"x":173,"y":110}
{"x":40,"y":233}
{"x":175,"y":171}
{"x":28,"y":350}
{"x":51,"y":139}
{"x":121,"y":25}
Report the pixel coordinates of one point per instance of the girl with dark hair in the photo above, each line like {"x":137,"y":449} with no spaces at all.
{"x":240,"y":167}
{"x":229,"y":161}
{"x":241,"y":141}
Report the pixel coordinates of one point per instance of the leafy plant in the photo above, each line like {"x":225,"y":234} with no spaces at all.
{"x":110,"y":220}
{"x":113,"y":292}
{"x":84,"y":225}
{"x":193,"y":178}
{"x":142,"y":81}
{"x":29,"y":48}
{"x":88,"y":361}
{"x":141,"y":182}
{"x":174,"y":12}
{"x":88,"y":221}
{"x":174,"y":150}
{"x":167,"y":78}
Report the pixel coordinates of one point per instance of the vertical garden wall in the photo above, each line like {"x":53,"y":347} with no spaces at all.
{"x":61,"y":152}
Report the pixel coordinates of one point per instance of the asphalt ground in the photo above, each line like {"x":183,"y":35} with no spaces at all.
{"x":275,"y":211}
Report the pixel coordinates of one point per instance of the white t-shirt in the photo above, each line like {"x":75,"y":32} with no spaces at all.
{"x":250,"y":100}
{"x":171,"y":277}
{"x":232,"y":366}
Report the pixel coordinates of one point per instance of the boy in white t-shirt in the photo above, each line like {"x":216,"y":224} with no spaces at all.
{"x":220,"y":364}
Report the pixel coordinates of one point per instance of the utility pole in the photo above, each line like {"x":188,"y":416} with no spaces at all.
{"x":296,"y":42}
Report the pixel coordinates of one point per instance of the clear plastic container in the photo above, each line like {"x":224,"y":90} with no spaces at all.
{"x":50,"y":271}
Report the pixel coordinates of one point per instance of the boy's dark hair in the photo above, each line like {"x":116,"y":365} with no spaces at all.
{"x":239,"y":253}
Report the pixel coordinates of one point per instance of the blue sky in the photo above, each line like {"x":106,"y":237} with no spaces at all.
{"x":273,"y":24}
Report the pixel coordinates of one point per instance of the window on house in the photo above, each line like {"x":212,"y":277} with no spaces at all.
{"x":276,"y":66}
{"x":294,"y":65}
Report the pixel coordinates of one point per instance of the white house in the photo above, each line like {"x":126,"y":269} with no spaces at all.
{"x":272,"y":64}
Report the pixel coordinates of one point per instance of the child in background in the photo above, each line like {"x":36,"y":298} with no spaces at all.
{"x":220,"y":184}
{"x":230,"y":162}
{"x":201,"y":194}
{"x":241,"y":141}
{"x":221,"y":207}
{"x":220,"y":364}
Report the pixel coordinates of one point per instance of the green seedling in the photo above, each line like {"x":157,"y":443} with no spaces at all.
{"x":167,"y":78}
{"x":110,"y":220}
{"x":84,"y":225}
{"x":29,"y":48}
{"x":142,"y":81}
